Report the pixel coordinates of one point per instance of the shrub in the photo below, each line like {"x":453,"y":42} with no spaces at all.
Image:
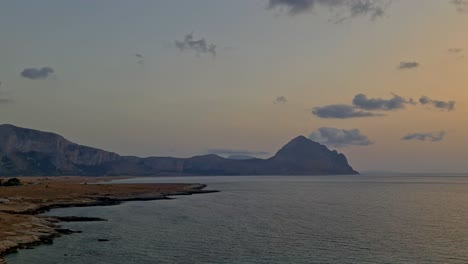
{"x":11,"y":182}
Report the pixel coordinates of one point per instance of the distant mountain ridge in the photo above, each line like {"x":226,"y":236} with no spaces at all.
{"x":31,"y":152}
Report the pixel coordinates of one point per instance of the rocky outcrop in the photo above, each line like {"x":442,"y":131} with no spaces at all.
{"x":21,"y":227}
{"x":31,"y":152}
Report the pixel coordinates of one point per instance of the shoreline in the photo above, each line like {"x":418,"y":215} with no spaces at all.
{"x":22,"y":228}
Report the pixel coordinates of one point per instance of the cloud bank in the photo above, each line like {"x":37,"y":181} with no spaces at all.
{"x":335,"y":137}
{"x":200,"y":46}
{"x":342,"y":9}
{"x":431,"y":137}
{"x":442,"y":105}
{"x":37,"y":73}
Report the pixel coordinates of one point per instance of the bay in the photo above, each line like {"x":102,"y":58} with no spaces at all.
{"x":279,"y":219}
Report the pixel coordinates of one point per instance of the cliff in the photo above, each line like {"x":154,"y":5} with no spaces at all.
{"x":31,"y":152}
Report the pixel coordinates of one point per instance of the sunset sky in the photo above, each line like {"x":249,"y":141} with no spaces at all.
{"x":385,"y":82}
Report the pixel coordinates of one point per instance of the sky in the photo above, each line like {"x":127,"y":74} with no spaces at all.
{"x":382,"y":81}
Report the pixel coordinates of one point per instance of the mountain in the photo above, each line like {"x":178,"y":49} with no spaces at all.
{"x":31,"y":152}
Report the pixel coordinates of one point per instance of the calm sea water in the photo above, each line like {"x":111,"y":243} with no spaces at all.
{"x":332,"y":219}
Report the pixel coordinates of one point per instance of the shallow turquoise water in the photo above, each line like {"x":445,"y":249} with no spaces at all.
{"x":329,"y":219}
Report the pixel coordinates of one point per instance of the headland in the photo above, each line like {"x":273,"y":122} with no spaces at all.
{"x":21,"y":226}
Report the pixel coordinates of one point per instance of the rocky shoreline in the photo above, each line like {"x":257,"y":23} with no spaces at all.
{"x":22,"y":228}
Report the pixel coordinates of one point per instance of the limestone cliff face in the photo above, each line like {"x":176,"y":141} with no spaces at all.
{"x":31,"y":152}
{"x":28,"y":151}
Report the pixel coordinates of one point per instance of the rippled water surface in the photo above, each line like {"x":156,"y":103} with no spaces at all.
{"x":332,"y":219}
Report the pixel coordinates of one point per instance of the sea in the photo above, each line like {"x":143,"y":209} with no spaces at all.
{"x":398,"y":218}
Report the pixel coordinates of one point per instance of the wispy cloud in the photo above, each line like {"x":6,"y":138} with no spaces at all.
{"x":140,"y":58}
{"x":341,"y":111}
{"x":442,"y":105}
{"x":341,"y":9}
{"x":460,"y":5}
{"x":431,"y":137}
{"x":37,"y":73}
{"x":406,"y":65}
{"x":455,"y":50}
{"x":200,"y":46}
{"x":335,"y":137}
{"x":4,"y":96}
{"x":280,"y":100}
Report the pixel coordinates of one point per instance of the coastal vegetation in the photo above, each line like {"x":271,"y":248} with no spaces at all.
{"x":10,"y":182}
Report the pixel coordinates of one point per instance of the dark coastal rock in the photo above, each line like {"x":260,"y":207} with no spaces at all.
{"x":78,"y":219}
{"x":31,"y":152}
{"x":65,"y":231}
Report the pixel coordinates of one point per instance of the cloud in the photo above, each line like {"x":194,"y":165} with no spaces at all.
{"x":280,"y":100}
{"x":397,"y":102}
{"x":140,"y":58}
{"x":405,"y":65}
{"x":458,"y":52}
{"x":342,"y":9}
{"x":4,"y":97}
{"x":235,"y":152}
{"x":199,"y":46}
{"x":442,"y":105}
{"x":37,"y":73}
{"x":335,"y":137}
{"x":341,"y":111}
{"x":455,"y":50}
{"x":363,"y":106}
{"x":432,"y":137}
{"x":460,"y":5}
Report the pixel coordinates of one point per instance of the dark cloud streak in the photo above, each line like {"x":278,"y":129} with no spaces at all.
{"x":37,"y":73}
{"x":397,"y":102}
{"x":341,"y":111}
